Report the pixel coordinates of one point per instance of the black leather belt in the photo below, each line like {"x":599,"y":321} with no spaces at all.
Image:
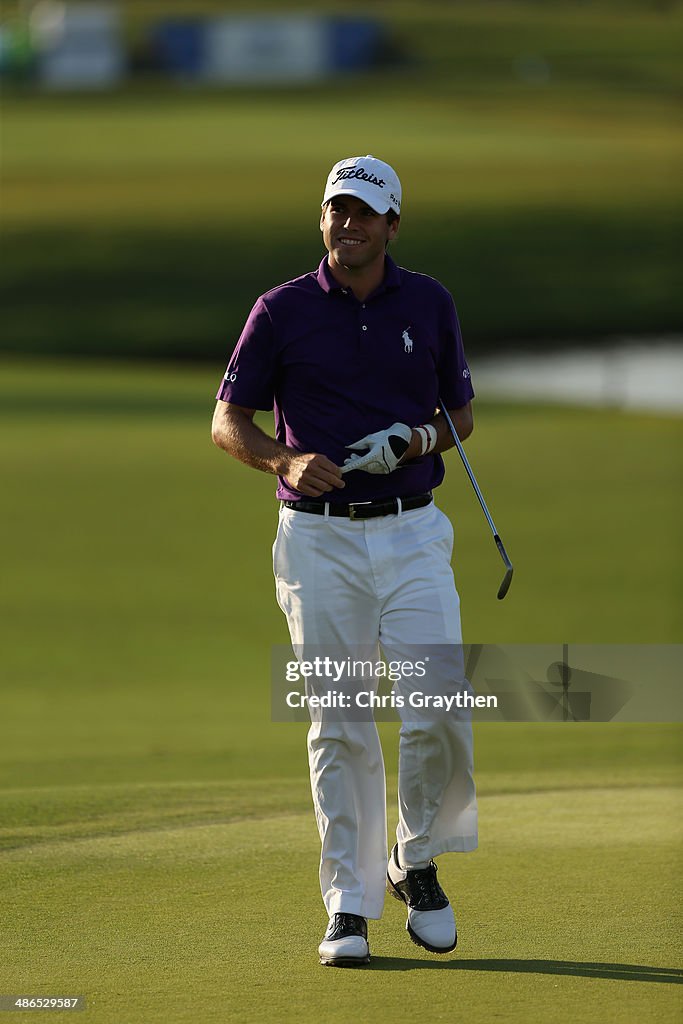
{"x":361,"y":509}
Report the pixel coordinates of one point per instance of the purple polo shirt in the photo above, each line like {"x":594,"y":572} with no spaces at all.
{"x":335,"y":369}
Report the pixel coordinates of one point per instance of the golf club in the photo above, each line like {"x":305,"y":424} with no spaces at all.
{"x":507,"y":579}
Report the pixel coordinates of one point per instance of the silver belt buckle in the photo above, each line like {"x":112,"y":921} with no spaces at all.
{"x":352,"y":507}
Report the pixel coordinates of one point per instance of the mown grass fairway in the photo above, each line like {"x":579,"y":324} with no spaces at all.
{"x":159,"y":850}
{"x":565,"y":915}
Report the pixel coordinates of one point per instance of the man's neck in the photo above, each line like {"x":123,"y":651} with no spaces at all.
{"x":362,"y":281}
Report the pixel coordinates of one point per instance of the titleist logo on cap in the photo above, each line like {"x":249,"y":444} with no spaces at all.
{"x":358,"y":172}
{"x":368,"y":179}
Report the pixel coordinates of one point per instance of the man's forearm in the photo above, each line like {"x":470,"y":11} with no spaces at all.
{"x":233,"y":429}
{"x":463,"y":423}
{"x":236,"y":433}
{"x":462,"y":419}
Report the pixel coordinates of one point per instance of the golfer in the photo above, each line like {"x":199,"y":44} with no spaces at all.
{"x":352,"y":357}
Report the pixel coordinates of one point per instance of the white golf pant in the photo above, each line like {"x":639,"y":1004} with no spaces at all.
{"x":359,"y":585}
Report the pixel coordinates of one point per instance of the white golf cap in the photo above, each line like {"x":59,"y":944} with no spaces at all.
{"x":367,"y":178}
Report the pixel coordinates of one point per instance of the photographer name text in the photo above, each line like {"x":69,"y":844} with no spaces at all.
{"x":370,"y":699}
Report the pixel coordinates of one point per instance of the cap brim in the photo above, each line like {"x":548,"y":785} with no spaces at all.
{"x":374,"y":205}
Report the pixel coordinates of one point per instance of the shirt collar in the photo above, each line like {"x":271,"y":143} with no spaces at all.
{"x":328,"y":283}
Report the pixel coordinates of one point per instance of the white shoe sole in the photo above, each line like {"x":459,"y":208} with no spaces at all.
{"x":345,"y":961}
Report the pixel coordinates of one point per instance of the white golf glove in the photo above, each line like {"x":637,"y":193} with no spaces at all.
{"x":386,"y":449}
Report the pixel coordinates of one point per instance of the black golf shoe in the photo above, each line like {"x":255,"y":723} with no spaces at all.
{"x":346,"y":942}
{"x":431,"y":922}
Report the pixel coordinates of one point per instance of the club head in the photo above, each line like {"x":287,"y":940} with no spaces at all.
{"x":507,"y":579}
{"x":505,"y":585}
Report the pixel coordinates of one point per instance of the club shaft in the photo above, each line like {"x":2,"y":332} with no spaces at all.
{"x":468,"y":469}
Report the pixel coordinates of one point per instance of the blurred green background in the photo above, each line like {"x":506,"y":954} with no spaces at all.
{"x":154,"y":822}
{"x":538,"y":145}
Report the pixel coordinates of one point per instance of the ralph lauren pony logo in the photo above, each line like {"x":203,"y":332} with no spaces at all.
{"x":407,"y":341}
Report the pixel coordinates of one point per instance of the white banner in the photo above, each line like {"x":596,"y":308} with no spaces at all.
{"x":268,"y":49}
{"x":79,"y":45}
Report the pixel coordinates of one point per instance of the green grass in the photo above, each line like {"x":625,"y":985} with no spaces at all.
{"x":159,"y":852}
{"x":147,"y":222}
{"x":565,"y":914}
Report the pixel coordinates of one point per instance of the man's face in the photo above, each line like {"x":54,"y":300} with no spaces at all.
{"x":354,"y":234}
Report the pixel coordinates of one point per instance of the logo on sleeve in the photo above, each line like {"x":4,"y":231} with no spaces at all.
{"x":230,"y":376}
{"x":466,"y":373}
{"x":407,"y":341}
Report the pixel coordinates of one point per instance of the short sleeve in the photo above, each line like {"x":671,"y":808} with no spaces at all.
{"x":250,"y":377}
{"x":455,"y":381}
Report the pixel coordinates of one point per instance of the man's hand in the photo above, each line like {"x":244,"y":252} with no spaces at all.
{"x":386,"y":449}
{"x":313,"y":474}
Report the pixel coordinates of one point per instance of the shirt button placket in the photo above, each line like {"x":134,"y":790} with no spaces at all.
{"x":363,"y":326}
